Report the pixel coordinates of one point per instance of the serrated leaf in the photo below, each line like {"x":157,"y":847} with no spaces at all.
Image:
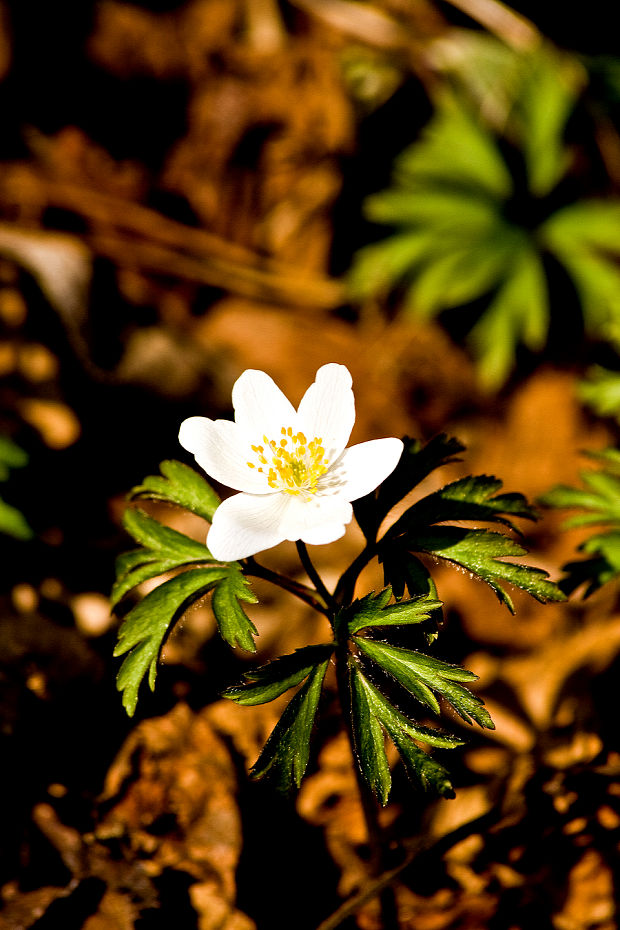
{"x":145,"y":626}
{"x":374,"y":611}
{"x":286,"y":752}
{"x":481,"y":552}
{"x":179,"y":484}
{"x":369,"y":740}
{"x":268,"y":682}
{"x":419,"y":673}
{"x":402,"y":731}
{"x":164,"y":549}
{"x":234,"y":625}
{"x":468,"y":498}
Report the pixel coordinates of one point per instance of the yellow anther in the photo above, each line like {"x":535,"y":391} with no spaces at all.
{"x":295,"y":470}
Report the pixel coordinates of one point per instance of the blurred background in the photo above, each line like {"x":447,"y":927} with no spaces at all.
{"x":427,"y":192}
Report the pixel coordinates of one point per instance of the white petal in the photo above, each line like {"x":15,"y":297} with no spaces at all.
{"x":327,"y":409}
{"x":305,"y":518}
{"x":246,"y":524}
{"x":260,"y":406}
{"x":321,"y":535}
{"x":223,"y":451}
{"x":363,"y":467}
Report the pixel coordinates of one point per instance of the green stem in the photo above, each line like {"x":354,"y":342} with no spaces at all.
{"x":346,"y":585}
{"x":304,"y":593}
{"x":313,"y":575}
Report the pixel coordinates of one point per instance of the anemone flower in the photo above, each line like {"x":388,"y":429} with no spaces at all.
{"x":296,"y":477}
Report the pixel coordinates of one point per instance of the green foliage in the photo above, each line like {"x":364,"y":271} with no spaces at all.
{"x":421,"y":675}
{"x":12,"y":520}
{"x":286,"y":752}
{"x":457,"y":237}
{"x":268,"y":682}
{"x":372,"y":716}
{"x":479,"y":551}
{"x":598,"y":504}
{"x":181,"y":485}
{"x":424,"y":529}
{"x":372,"y":611}
{"x":163,"y":549}
{"x":601,"y":391}
{"x":142,"y":632}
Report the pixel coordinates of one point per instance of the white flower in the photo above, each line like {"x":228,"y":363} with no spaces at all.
{"x":296,"y":479}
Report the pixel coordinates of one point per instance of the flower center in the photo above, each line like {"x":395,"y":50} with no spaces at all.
{"x":291,"y":464}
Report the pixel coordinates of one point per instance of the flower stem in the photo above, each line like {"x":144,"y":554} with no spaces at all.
{"x":304,"y":593}
{"x":313,"y":575}
{"x":346,"y":585}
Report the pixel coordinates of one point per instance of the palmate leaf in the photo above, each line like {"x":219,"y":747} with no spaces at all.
{"x":372,"y":715}
{"x":163,"y":549}
{"x":179,"y":484}
{"x":145,"y":626}
{"x":285,"y":754}
{"x":269,"y":681}
{"x":421,"y":675}
{"x":373,"y":611}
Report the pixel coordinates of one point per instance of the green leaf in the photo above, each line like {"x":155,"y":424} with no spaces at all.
{"x":377,"y":267}
{"x":164,"y":549}
{"x":481,"y":552}
{"x":601,"y":391}
{"x":11,"y":456}
{"x":143,"y":630}
{"x":371,"y":707}
{"x":519,"y":312}
{"x":268,"y":682}
{"x":179,"y":484}
{"x":456,"y":274}
{"x":374,"y":611}
{"x":599,"y":504}
{"x":235,"y":626}
{"x":369,"y":739}
{"x":547,"y":96}
{"x":465,"y":499}
{"x":455,"y":148}
{"x":13,"y":522}
{"x":286,"y":752}
{"x":415,"y":464}
{"x":421,"y":675}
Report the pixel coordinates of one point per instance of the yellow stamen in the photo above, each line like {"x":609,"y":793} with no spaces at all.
{"x":296,"y":470}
